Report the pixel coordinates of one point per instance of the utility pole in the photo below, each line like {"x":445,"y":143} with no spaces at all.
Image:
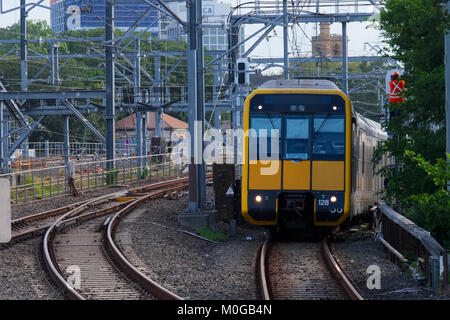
{"x":110,"y":87}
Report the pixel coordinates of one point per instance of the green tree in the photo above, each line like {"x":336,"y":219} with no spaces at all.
{"x":432,"y":210}
{"x":414,"y":30}
{"x":82,"y":73}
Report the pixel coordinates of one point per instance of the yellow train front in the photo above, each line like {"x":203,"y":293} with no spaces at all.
{"x":297,"y":168}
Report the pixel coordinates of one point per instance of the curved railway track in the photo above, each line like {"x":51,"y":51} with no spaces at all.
{"x":37,"y":224}
{"x":81,"y":244}
{"x":301,"y":271}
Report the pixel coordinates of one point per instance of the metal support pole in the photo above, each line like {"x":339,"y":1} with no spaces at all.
{"x":56,"y":63}
{"x":217,"y":119}
{"x":52,"y":64}
{"x":215,"y":95}
{"x":23,"y":46}
{"x":157,"y":87}
{"x":5,"y":142}
{"x":285,"y":40}
{"x":137,"y":84}
{"x":192,"y":101}
{"x":144,"y":138}
{"x":47,"y":148}
{"x":434,"y":269}
{"x":201,"y":176}
{"x":110,"y":87}
{"x":66,"y":143}
{"x":344,"y":58}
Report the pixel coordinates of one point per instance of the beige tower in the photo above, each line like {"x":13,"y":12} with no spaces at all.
{"x":327,"y":44}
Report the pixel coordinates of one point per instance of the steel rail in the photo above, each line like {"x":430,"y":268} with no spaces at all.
{"x":334,"y":267}
{"x":71,"y":216}
{"x":261,"y":270}
{"x":24,"y":222}
{"x":331,"y":263}
{"x":118,"y":257}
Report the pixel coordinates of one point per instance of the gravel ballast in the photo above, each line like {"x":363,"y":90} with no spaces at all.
{"x":22,"y":276}
{"x":191,"y":267}
{"x":358,"y":252}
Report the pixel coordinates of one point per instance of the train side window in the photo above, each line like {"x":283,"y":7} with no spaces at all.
{"x":264,"y":129}
{"x":297,"y":138}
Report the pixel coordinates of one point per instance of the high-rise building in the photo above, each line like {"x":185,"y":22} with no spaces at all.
{"x":215,"y":14}
{"x":89,"y":14}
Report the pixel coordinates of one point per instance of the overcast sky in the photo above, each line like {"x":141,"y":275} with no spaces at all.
{"x":357,"y":33}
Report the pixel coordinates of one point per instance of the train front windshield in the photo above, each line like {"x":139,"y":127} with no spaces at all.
{"x":299,"y":137}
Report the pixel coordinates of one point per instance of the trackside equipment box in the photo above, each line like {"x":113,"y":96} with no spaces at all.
{"x":5,"y":211}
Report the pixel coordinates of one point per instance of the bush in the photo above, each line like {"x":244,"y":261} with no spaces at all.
{"x":431,"y":211}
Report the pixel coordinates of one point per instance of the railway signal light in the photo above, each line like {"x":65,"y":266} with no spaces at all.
{"x":241,"y":75}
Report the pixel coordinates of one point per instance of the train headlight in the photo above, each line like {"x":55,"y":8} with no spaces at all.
{"x":259,"y":107}
{"x":333,"y":199}
{"x":258,"y":198}
{"x":334,"y":108}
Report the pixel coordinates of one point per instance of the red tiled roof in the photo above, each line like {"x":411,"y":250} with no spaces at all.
{"x":129,"y":123}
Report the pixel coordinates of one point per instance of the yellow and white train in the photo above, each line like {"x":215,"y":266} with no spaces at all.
{"x":307,"y":156}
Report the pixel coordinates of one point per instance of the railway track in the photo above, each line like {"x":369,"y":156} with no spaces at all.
{"x":37,"y":224}
{"x":301,"y":271}
{"x":81,"y":255}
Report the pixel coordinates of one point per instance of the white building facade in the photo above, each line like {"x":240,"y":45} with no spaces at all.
{"x":215,"y":15}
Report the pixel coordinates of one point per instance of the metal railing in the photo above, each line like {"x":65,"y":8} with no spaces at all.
{"x":49,"y":182}
{"x":414,"y":243}
{"x":51,"y":148}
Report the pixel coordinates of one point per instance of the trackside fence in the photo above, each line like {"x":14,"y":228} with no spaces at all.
{"x":48,"y":182}
{"x":415,"y":244}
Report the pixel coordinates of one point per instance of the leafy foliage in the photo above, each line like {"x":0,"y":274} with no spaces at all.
{"x":82,"y":73}
{"x":415,"y":31}
{"x":415,"y":35}
{"x":432,"y":210}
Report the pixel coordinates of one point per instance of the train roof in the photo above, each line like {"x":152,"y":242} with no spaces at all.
{"x":300,"y":84}
{"x":371,"y":127}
